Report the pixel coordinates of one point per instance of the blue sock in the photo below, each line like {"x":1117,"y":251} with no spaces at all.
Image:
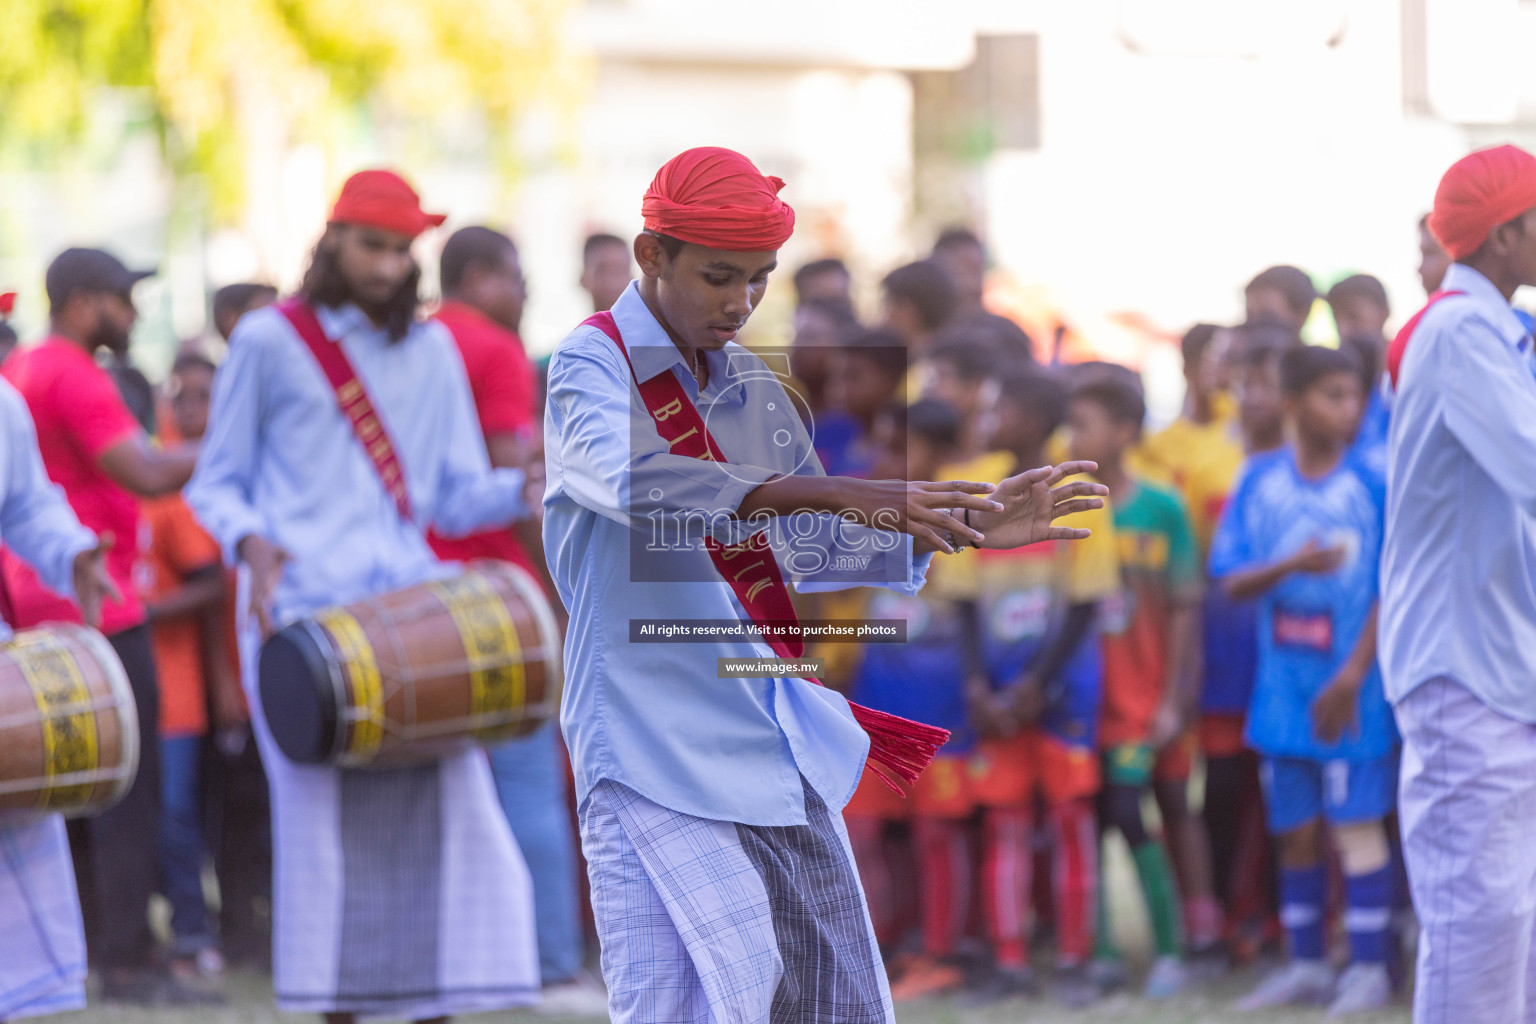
{"x":1369,"y":912}
{"x":1301,"y":910}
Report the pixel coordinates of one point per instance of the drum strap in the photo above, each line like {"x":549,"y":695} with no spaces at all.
{"x":899,"y":748}
{"x":353,"y":399}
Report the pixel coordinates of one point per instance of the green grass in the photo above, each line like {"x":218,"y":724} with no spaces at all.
{"x":250,"y":995}
{"x":251,"y":1003}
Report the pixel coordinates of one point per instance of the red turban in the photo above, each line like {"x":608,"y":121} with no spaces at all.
{"x":714,"y":197}
{"x":1481,"y":191}
{"x":382,"y":199}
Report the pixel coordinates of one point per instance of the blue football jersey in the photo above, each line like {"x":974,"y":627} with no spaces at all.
{"x":1308,"y":623}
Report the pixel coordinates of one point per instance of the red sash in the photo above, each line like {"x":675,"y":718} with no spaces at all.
{"x":899,"y":749}
{"x":1399,"y":347}
{"x":352,"y":398}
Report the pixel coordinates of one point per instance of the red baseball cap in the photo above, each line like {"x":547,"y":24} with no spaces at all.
{"x":382,"y":199}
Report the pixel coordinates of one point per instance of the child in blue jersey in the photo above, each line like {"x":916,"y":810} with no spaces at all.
{"x":1303,"y":532}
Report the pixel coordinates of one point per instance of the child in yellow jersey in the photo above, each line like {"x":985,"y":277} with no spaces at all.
{"x":1034,"y":676}
{"x":1150,"y":679}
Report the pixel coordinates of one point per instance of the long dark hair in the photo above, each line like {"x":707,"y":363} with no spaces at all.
{"x":324,"y":285}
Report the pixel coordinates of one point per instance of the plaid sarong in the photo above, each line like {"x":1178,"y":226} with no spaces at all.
{"x":42,"y":940}
{"x":712,"y":921}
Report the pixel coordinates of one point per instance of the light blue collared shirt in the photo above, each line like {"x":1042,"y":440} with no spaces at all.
{"x":36,"y":522}
{"x":1458,"y":573}
{"x":280,"y":459}
{"x":653,"y":716}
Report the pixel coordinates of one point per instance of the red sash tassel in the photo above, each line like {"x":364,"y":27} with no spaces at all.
{"x":899,"y":749}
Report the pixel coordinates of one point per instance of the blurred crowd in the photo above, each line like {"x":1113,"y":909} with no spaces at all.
{"x":1174,"y":679}
{"x":1198,"y":677}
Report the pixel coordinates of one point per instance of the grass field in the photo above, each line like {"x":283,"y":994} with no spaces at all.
{"x":250,"y":995}
{"x":251,"y":1003}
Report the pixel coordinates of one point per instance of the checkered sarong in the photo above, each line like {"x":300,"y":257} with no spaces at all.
{"x":713,"y":922}
{"x":42,"y":941}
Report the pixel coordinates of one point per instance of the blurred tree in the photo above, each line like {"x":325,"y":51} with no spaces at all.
{"x":233,"y":84}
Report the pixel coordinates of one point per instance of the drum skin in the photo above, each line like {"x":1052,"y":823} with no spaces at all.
{"x":415,"y":674}
{"x":69,"y":733}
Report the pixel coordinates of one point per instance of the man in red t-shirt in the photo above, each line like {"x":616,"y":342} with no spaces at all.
{"x":483,"y":294}
{"x":99,"y":454}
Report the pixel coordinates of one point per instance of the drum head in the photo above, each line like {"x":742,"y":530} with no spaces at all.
{"x":297,"y":696}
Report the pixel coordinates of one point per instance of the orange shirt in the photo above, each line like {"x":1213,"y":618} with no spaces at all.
{"x":179,"y":548}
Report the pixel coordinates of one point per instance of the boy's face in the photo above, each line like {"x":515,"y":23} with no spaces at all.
{"x":1007,"y":427}
{"x":1258,"y":397}
{"x":859,"y":386}
{"x":706,"y":295}
{"x":1360,"y":318}
{"x":605,"y":274}
{"x":1270,"y":304}
{"x":190,"y":392}
{"x":1433,"y":262}
{"x":1096,"y":435}
{"x":1329,"y":410}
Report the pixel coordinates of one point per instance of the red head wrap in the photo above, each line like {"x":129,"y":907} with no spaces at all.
{"x":716,"y":198}
{"x":382,"y":199}
{"x":1481,"y":191}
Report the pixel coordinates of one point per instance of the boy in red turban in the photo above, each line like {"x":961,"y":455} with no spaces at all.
{"x":1458,"y":602}
{"x":683,"y":483}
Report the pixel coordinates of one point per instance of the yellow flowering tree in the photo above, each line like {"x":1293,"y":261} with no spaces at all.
{"x":228,"y":81}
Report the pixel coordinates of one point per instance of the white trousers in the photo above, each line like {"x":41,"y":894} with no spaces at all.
{"x":1468,"y":807}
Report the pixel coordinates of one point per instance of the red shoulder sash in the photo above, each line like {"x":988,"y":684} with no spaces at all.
{"x":899,"y":748}
{"x":353,"y":399}
{"x":1399,"y":347}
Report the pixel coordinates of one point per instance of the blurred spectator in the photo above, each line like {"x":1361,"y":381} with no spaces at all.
{"x":1360,"y":308}
{"x":822,"y":327}
{"x":185,"y":595}
{"x":866,"y":378}
{"x":919,"y":300}
{"x":960,"y":252}
{"x":1433,"y":260}
{"x":93,"y":446}
{"x":233,"y":301}
{"x":8,"y":341}
{"x":605,"y":269}
{"x":1281,"y":293}
{"x":483,"y":297}
{"x":826,"y":279}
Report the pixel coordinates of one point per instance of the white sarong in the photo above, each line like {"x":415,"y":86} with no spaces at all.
{"x":1468,"y":806}
{"x":42,"y":938}
{"x":704,"y":922}
{"x":397,"y":892}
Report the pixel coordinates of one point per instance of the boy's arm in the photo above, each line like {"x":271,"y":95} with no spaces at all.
{"x":202,"y":589}
{"x":229,"y":709}
{"x":1337,"y":707}
{"x":1247,"y":584}
{"x":1038,"y":688}
{"x":1181,"y":690}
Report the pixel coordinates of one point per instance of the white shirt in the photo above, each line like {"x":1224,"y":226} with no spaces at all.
{"x":1458,"y":570}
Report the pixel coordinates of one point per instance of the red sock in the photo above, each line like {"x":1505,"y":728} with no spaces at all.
{"x":1007,"y":867}
{"x":1075,"y":834}
{"x":866,"y":836}
{"x":944,"y":866}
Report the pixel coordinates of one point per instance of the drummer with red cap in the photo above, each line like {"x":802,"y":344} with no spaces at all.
{"x":1458,"y":600}
{"x":683,"y":491}
{"x":398,"y":892}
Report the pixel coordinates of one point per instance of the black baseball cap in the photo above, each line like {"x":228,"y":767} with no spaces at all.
{"x":89,"y":270}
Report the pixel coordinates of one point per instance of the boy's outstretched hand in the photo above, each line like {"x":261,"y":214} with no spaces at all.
{"x":1032,"y":502}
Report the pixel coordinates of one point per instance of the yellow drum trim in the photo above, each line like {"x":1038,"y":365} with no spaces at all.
{"x":365,"y":711}
{"x":70,"y":744}
{"x":498,"y":684}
